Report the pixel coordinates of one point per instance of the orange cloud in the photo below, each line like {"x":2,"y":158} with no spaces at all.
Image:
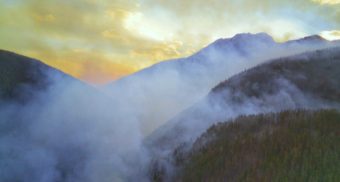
{"x":101,"y":40}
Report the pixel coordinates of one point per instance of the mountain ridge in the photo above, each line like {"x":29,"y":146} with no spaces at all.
{"x":22,"y":71}
{"x":291,"y":82}
{"x":176,"y":84}
{"x":53,"y":126}
{"x":280,"y":62}
{"x":83,"y":133}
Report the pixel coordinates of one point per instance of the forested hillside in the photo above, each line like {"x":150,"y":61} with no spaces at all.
{"x":289,"y":146}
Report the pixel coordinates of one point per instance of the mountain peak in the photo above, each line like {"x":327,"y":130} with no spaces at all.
{"x":241,"y":43}
{"x":314,"y":38}
{"x":261,"y":35}
{"x":245,"y":37}
{"x":310,"y":39}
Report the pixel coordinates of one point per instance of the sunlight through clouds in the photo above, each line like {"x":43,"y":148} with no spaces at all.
{"x":327,"y":1}
{"x":331,"y":35}
{"x":119,"y":37}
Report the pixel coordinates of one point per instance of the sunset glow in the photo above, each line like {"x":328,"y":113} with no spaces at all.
{"x":101,"y":40}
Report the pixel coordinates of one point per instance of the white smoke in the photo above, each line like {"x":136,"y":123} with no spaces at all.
{"x":162,"y":91}
{"x":73,"y":132}
{"x":70,"y":132}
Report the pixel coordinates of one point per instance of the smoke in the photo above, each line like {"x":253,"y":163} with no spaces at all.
{"x":69,"y":132}
{"x":159,"y":93}
{"x":73,"y":132}
{"x":286,"y":83}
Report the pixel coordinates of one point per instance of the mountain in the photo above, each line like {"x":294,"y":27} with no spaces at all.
{"x":160,"y":92}
{"x":54,"y":127}
{"x":287,"y":146}
{"x":23,"y":78}
{"x":20,"y":76}
{"x":305,"y":81}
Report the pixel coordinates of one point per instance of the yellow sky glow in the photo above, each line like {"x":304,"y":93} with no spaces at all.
{"x":328,"y":1}
{"x":102,"y":40}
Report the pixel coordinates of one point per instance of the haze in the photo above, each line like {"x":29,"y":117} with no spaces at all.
{"x":102,"y":40}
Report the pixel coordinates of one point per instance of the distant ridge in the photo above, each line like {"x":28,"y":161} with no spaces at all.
{"x":174,"y":85}
{"x":305,"y":81}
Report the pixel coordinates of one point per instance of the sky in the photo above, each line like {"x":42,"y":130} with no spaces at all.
{"x":99,"y":41}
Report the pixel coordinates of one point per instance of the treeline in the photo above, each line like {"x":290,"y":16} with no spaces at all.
{"x":315,"y":72}
{"x":288,"y":146}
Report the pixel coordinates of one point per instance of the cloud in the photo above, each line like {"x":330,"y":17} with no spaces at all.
{"x":136,"y":34}
{"x":331,"y":35}
{"x":327,"y":1}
